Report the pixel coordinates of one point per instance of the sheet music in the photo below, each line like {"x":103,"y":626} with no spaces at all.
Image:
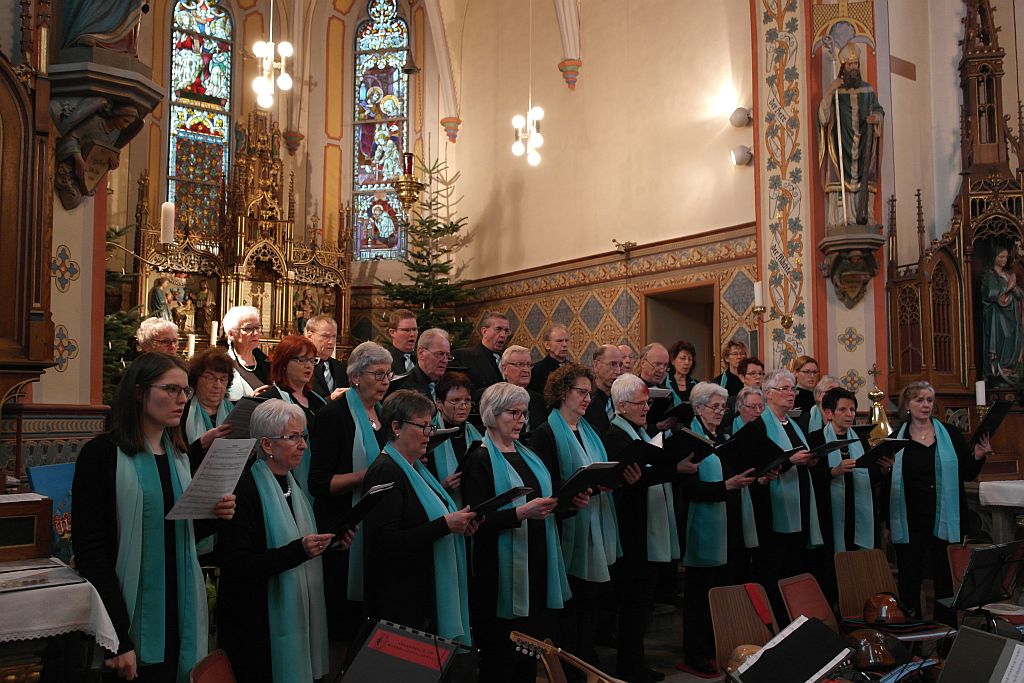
{"x":1015,"y":667}
{"x":216,"y":477}
{"x":658,"y":440}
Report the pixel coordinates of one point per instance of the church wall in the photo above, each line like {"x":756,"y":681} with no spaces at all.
{"x":639,"y":151}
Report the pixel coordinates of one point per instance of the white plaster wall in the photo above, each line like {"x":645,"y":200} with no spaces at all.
{"x":640,"y":151}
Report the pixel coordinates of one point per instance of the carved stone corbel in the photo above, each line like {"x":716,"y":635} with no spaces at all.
{"x":850,"y":261}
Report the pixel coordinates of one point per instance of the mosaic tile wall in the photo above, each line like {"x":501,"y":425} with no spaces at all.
{"x":46,"y":434}
{"x":600,"y":298}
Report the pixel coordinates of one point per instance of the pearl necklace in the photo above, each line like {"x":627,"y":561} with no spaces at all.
{"x":238,"y":360}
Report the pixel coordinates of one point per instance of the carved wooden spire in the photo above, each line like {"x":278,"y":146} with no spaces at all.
{"x":981,"y":77}
{"x":920,"y":226}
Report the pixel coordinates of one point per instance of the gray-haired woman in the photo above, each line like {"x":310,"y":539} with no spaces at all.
{"x":242,"y":328}
{"x":271,"y":619}
{"x":347,"y":438}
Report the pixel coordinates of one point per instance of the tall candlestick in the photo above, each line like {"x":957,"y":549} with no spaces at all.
{"x":167,"y":223}
{"x":213,"y":333}
{"x":407,"y":163}
{"x":758,"y":299}
{"x":979,"y":393}
{"x":191,"y":346}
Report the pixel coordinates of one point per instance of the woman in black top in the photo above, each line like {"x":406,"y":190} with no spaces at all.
{"x":683,"y":355}
{"x":927,"y":508}
{"x":137,"y":471}
{"x":806,"y":371}
{"x":454,"y":403}
{"x":501,"y":603}
{"x":252,"y":367}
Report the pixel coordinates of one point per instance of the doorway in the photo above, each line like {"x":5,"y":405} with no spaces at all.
{"x":687,"y":313}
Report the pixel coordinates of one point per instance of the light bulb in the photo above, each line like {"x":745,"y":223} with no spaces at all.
{"x":537,"y":139}
{"x":259,"y":48}
{"x":518,"y":121}
{"x":537,"y":113}
{"x":284,"y":82}
{"x":533,"y":158}
{"x":259,"y":85}
{"x":265,"y":100}
{"x":285,"y":49}
{"x":518,"y":148}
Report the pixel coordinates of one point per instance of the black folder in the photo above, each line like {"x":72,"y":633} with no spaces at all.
{"x":642,"y":453}
{"x":473,"y":445}
{"x":807,"y":650}
{"x":886,"y":448}
{"x":240,"y":415}
{"x":685,"y":441}
{"x":591,"y":477}
{"x":827,"y":447}
{"x":751,"y":447}
{"x":500,"y":500}
{"x":440,"y":436}
{"x":682,"y":412}
{"x":358,"y":513}
{"x":993,"y":418}
{"x":777,"y":461}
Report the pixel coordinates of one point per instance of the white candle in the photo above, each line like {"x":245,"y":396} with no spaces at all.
{"x":191,"y":345}
{"x":979,"y":393}
{"x":213,"y":333}
{"x":167,"y":223}
{"x":757,"y":294}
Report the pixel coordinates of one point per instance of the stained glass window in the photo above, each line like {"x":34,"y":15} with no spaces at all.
{"x":381,"y":130}
{"x":200,"y":113}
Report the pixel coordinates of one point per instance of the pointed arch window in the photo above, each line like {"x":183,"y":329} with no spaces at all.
{"x":200,"y":113}
{"x":381,"y":130}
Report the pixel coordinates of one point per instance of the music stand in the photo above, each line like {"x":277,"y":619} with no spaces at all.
{"x":991,"y":576}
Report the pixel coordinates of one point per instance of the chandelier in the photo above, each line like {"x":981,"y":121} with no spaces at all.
{"x":528,"y":138}
{"x":270,"y":70}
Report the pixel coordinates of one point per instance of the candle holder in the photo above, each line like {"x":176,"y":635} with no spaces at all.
{"x":981,"y":411}
{"x":756,"y":317}
{"x":407,"y":185}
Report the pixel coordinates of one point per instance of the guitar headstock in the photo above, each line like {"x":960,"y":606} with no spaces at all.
{"x":531,"y":647}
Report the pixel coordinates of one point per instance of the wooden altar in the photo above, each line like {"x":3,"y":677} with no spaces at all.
{"x":254,"y":256}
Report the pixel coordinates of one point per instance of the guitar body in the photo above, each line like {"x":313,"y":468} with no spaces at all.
{"x":552,"y":658}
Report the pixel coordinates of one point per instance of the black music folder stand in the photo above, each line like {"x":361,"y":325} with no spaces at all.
{"x":992,"y":576}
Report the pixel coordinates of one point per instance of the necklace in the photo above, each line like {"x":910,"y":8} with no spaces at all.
{"x":374,"y":423}
{"x":288,"y":493}
{"x":238,"y":360}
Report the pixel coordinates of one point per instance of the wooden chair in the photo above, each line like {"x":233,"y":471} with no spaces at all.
{"x":802,"y":595}
{"x":213,"y":668}
{"x":735,"y":620}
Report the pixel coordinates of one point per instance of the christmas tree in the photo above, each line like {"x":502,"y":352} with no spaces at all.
{"x":433,"y":236}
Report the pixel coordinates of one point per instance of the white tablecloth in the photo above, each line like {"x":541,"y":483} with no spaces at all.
{"x":1002,"y":493}
{"x":56,"y":610}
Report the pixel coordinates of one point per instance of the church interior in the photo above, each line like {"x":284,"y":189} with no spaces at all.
{"x":838,"y":180}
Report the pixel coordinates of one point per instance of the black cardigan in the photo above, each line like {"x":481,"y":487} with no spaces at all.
{"x":247,"y":565}
{"x":399,"y":553}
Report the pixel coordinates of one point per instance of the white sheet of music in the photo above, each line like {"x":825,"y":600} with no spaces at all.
{"x":216,"y":477}
{"x":658,"y":440}
{"x":1015,"y":666}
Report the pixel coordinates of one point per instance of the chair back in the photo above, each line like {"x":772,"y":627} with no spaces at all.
{"x":735,"y":620}
{"x":213,"y":668}
{"x":959,"y":557}
{"x":54,"y":482}
{"x":860,"y":575}
{"x":802,"y":595}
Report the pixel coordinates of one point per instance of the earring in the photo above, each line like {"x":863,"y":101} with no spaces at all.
{"x":355,"y":384}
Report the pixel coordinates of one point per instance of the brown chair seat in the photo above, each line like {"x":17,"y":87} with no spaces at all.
{"x":213,"y":668}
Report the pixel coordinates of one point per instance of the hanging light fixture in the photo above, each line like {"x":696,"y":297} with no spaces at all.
{"x":271,"y":71}
{"x":528,"y":138}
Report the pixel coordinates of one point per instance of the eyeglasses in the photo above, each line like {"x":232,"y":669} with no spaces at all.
{"x":785,"y":390}
{"x":459,"y":402}
{"x":325,"y":335}
{"x":427,"y":429}
{"x":522,"y":365}
{"x":741,"y":354}
{"x":381,"y":375}
{"x":581,"y":391}
{"x":250,"y":329}
{"x":173,"y":341}
{"x":407,"y":330}
{"x":807,"y":372}
{"x":301,"y":360}
{"x":657,"y":366}
{"x":214,"y":379}
{"x":174,"y":390}
{"x":442,"y":355}
{"x":717,"y":408}
{"x":754,"y":373}
{"x":518,"y":414}
{"x":298,"y":436}
{"x":649,"y":402}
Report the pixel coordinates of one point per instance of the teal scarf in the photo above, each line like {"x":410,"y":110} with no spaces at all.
{"x":662,"y":533}
{"x":198,"y":421}
{"x":295,"y":597}
{"x":863,"y":502}
{"x":723,"y":381}
{"x":451,"y":590}
{"x":444,"y":455}
{"x":513,"y":544}
{"x":816,"y":420}
{"x":746,"y":503}
{"x":706,"y":528}
{"x":947,"y":485}
{"x":140,"y":559}
{"x":676,"y":398}
{"x":364,"y":452}
{"x":785,"y":491}
{"x":590,"y":538}
{"x":301,"y":473}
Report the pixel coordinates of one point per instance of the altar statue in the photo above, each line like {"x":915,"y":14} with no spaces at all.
{"x":1002,"y":329}
{"x":860,"y":130}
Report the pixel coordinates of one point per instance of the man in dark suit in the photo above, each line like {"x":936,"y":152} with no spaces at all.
{"x":403,"y":331}
{"x":482,"y":360}
{"x":516,"y":368}
{"x":433,"y":351}
{"x":329,"y":376}
{"x":556,"y":341}
{"x":607,"y":366}
{"x":652,"y":366}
